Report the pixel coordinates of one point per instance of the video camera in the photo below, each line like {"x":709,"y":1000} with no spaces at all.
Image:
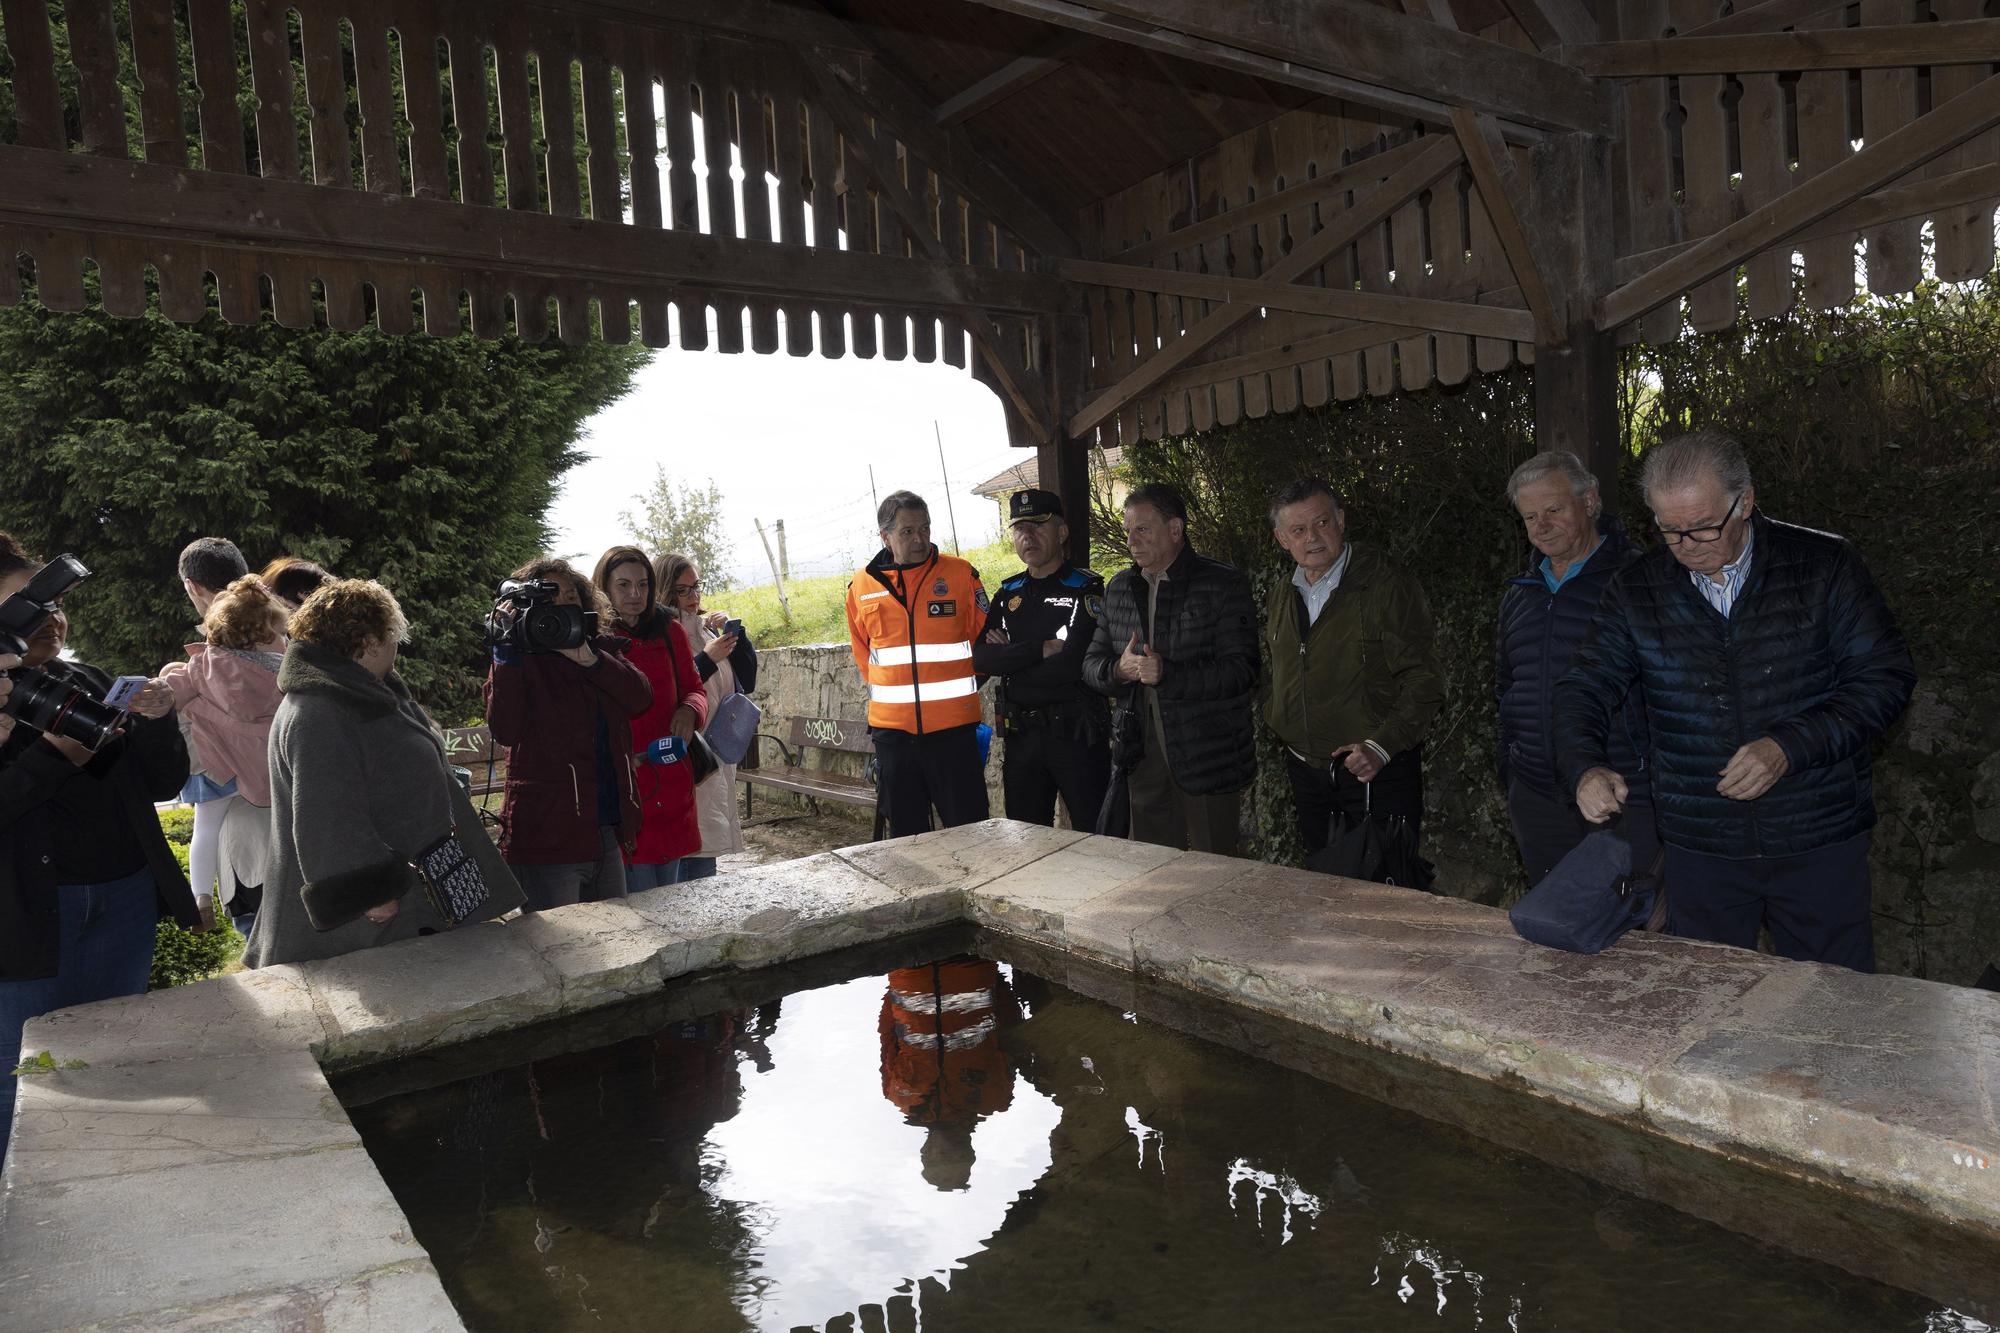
{"x":525,"y":616}
{"x":46,"y":702}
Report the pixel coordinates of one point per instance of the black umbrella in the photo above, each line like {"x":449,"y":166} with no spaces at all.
{"x":1365,"y":848}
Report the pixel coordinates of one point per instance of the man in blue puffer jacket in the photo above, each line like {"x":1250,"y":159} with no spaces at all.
{"x":1770,"y":665}
{"x":1543,"y":618}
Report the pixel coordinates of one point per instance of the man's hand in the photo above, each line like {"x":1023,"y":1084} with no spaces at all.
{"x":1138,"y":663}
{"x":1753,"y":770}
{"x":996,"y":635}
{"x":719,"y":649}
{"x":583,"y":656}
{"x":68,"y":749}
{"x":1600,"y":795}
{"x":385,"y":913}
{"x":682,"y":724}
{"x":1361,"y":760}
{"x":1050,"y":647}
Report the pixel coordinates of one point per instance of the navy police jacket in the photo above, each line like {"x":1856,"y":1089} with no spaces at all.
{"x":1809,"y":656}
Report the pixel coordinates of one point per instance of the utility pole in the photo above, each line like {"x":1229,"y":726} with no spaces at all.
{"x":784,"y":560}
{"x":949,"y":509}
{"x":873,"y":498}
{"x":784,"y":603}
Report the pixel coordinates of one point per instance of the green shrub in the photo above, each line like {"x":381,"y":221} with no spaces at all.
{"x":177,"y":822}
{"x":181,"y":956}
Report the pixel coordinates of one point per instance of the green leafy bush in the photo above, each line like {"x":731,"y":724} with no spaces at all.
{"x":181,"y":956}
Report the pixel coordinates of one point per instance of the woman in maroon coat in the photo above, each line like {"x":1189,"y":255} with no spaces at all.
{"x":571,"y":810}
{"x":680,"y":707}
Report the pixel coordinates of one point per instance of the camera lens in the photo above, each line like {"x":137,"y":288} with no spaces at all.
{"x":551,"y":627}
{"x":59,"y":708}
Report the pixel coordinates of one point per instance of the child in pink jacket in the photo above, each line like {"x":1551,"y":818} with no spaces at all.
{"x":228,"y":691}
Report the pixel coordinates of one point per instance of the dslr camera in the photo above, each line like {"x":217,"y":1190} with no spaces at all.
{"x":526,"y":617}
{"x":47,"y":702}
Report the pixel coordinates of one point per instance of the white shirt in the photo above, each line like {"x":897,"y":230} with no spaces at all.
{"x":1317,"y":595}
{"x":1722,"y":596}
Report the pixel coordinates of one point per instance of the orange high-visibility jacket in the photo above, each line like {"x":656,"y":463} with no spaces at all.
{"x":940,"y":1029}
{"x":912,"y":631}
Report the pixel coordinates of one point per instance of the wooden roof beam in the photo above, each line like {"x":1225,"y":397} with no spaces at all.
{"x":1011,"y":78}
{"x":1480,"y":321}
{"x":1898,"y":46}
{"x":41,"y":188}
{"x":1553,"y":23}
{"x":1929,"y":136}
{"x":1344,"y":48}
{"x":1766,"y":17}
{"x":1308,"y":255}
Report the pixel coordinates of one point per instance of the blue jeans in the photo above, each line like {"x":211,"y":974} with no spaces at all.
{"x":697,"y":867}
{"x":643,"y":875}
{"x":105,"y":950}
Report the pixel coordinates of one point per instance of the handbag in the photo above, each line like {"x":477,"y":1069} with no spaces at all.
{"x":733,"y":729}
{"x":452,"y":879}
{"x":1593,"y":897}
{"x":702,"y":755}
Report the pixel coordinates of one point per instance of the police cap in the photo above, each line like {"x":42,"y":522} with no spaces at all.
{"x":1033,"y":507}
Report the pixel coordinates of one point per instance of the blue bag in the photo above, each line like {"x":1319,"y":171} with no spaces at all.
{"x":1592,"y":897}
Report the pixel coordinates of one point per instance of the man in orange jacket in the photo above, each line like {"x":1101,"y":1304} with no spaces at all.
{"x":912,"y":613}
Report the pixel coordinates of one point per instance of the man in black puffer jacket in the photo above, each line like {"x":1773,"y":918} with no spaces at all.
{"x":1543,"y":617}
{"x":1177,"y":645}
{"x":1770,"y":665}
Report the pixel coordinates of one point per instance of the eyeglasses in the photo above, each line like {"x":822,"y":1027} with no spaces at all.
{"x":683,"y":589}
{"x":1675,"y":536}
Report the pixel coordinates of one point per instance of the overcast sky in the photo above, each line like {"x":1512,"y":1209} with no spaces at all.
{"x":792,"y":438}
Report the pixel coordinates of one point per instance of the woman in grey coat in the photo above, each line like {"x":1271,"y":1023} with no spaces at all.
{"x":359,"y":786}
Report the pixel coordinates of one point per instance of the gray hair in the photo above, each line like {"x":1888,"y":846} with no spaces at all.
{"x":1687,"y":460}
{"x":1305,"y":488}
{"x":1547,"y":464}
{"x":898,"y":501}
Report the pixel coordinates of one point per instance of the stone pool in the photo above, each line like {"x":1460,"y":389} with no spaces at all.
{"x":197,"y":1170}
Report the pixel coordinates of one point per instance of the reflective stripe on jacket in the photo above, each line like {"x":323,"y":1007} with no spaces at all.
{"x":912,"y":632}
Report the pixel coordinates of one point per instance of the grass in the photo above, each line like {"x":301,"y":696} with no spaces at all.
{"x":819,"y":605}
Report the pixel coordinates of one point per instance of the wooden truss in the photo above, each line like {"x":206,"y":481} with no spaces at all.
{"x":1133,"y":217}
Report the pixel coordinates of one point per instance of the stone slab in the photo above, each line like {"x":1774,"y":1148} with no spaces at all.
{"x":267,"y":1010}
{"x":601,"y":953}
{"x":184,"y":1237}
{"x":403,"y":1298}
{"x":957,"y":859}
{"x":1887,"y":1082}
{"x":122,"y":1119}
{"x":1036,"y":898}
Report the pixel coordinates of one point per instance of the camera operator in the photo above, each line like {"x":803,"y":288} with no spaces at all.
{"x":85,"y":871}
{"x":571,"y":809}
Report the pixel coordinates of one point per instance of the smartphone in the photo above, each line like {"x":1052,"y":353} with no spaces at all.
{"x":733,"y":626}
{"x":123,"y":691}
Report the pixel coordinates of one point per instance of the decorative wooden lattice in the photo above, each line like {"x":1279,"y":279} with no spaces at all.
{"x":594,"y":142}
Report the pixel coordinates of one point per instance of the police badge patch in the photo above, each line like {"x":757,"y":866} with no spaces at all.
{"x":1014,"y":602}
{"x":979,"y":599}
{"x":941,"y":587}
{"x":1095,"y":607}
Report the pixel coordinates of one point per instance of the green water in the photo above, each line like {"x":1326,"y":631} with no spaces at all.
{"x":813,"y":1162}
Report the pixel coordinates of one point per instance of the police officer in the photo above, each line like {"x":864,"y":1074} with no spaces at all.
{"x":1037,"y":631}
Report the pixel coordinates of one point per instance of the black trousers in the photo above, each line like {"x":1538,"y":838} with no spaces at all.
{"x":939,"y":768}
{"x":1042,"y":761}
{"x":1317,"y":794}
{"x":1547,"y":826}
{"x":1816,"y":903}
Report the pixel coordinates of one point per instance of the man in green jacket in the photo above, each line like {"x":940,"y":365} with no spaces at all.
{"x":1354,"y":680}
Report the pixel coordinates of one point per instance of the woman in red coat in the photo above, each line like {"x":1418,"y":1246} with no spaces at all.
{"x":680,"y":707}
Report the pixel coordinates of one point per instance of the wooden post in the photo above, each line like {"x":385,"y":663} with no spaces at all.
{"x":1062,"y":460}
{"x":784,"y":602}
{"x":1576,"y":379}
{"x":784,"y":560}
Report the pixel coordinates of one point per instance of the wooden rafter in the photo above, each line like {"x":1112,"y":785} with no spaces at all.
{"x":1961,"y":42}
{"x":1308,"y":255}
{"x":1480,"y":321}
{"x":1340,"y":341}
{"x":1894,"y":155}
{"x":41,"y":189}
{"x":1766,"y":17}
{"x":1355,"y":50}
{"x":1011,"y":377}
{"x":1272,"y":205}
{"x":1492,"y":168}
{"x":1013,"y":77}
{"x":1552,"y":23}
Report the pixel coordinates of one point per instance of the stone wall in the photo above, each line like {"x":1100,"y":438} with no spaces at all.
{"x":819,"y":680}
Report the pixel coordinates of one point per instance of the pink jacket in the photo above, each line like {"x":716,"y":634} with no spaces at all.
{"x":229,"y":699}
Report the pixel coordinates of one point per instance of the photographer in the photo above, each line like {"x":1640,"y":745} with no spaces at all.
{"x":85,"y":871}
{"x":571,"y":810}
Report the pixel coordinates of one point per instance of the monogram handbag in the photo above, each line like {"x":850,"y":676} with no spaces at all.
{"x":452,"y":879}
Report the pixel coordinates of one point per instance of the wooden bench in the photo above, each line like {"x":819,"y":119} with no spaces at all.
{"x":473,"y":748}
{"x":816,"y":785}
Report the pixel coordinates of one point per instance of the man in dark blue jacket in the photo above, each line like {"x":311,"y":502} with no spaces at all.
{"x":1770,"y":665}
{"x":1543,"y":618}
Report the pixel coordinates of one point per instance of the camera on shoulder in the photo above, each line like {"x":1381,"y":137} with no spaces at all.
{"x":42,"y":699}
{"x":527,"y":617}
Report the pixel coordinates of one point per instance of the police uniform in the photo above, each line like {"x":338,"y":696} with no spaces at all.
{"x":912,"y":629}
{"x":1056,"y":729}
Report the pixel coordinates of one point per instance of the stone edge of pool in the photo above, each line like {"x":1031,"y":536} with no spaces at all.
{"x":186,"y":1165}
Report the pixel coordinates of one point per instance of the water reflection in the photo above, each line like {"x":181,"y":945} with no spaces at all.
{"x":962,"y":1146}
